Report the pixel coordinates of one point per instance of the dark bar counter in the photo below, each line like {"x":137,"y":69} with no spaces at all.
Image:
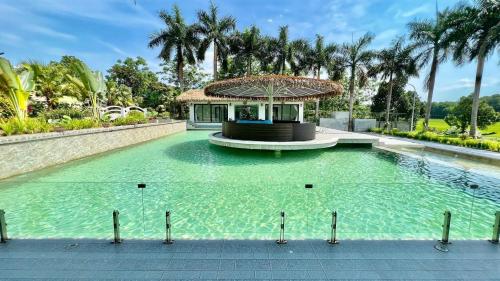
{"x":263,"y":131}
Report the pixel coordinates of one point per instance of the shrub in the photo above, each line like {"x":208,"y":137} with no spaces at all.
{"x":461,"y":140}
{"x":14,"y":126}
{"x":60,"y":113}
{"x":79,"y":124}
{"x":132,"y":118}
{"x":376,"y":130}
{"x":165,"y":115}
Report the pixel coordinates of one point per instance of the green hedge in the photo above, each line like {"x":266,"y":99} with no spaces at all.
{"x":30,"y":126}
{"x":436,"y":137}
{"x":132,"y":118}
{"x":79,"y":124}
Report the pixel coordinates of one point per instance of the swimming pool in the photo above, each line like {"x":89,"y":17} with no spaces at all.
{"x":221,"y":193}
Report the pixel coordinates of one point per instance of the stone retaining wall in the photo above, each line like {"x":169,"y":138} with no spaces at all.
{"x":26,"y":153}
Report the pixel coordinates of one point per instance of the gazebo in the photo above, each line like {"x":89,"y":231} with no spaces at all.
{"x":270,"y":88}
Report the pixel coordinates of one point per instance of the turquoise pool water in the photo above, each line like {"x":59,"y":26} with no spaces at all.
{"x":216,"y":193}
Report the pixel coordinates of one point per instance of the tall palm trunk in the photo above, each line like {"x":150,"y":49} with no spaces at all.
{"x":475,"y":98}
{"x":351,"y":100}
{"x":317,"y":101}
{"x":215,"y":61}
{"x":388,"y":102}
{"x":249,"y":65}
{"x":180,"y":69}
{"x":432,"y":80}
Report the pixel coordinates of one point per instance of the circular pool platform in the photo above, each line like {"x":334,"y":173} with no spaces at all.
{"x":321,"y":141}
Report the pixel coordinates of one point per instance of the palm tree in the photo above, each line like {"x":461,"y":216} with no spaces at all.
{"x":357,"y":60}
{"x":320,"y":57}
{"x":282,"y":50}
{"x":247,"y":47}
{"x":394,"y":62}
{"x":177,"y":38}
{"x":90,"y":83}
{"x":214,"y":31}
{"x":321,"y":54}
{"x":16,"y":85}
{"x":300,"y":57}
{"x":50,"y":81}
{"x":475,"y":34}
{"x":430,"y":38}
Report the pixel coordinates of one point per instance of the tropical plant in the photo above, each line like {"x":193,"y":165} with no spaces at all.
{"x":247,"y":47}
{"x":430,"y":39}
{"x":475,"y":34}
{"x":394,"y":63}
{"x":321,"y":54}
{"x":15,"y":126}
{"x":17,"y":86}
{"x":215,"y":31}
{"x":357,"y":61}
{"x":283,"y":50}
{"x":460,"y":117}
{"x":300,"y":57}
{"x":133,"y":73}
{"x":177,"y":38}
{"x":5,"y":108}
{"x":50,"y":81}
{"x":118,"y":94}
{"x":90,"y":83}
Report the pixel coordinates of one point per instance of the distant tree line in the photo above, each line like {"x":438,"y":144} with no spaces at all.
{"x":464,"y":33}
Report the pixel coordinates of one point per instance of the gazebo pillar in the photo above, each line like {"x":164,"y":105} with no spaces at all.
{"x":270,"y":108}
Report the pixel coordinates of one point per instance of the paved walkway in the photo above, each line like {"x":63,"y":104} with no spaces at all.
{"x":250,"y":260}
{"x":452,"y":150}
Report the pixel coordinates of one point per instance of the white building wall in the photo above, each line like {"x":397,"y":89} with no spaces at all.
{"x":231,"y":105}
{"x":191,"y":112}
{"x":301,"y":112}
{"x":230,"y":111}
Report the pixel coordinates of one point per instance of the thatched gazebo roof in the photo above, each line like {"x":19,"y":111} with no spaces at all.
{"x":198,"y":95}
{"x":278,"y":86}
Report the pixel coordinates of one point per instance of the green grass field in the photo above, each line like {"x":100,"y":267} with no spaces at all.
{"x":492,"y":131}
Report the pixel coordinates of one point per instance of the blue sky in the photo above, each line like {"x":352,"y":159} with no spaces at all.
{"x":103,"y":31}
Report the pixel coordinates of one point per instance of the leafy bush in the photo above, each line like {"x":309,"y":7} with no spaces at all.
{"x":79,"y":124}
{"x":60,"y":113}
{"x":460,"y":115}
{"x":132,"y":118}
{"x":165,"y":115}
{"x":461,"y":140}
{"x":14,"y":126}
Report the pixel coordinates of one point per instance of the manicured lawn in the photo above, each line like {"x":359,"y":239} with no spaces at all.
{"x":438,"y":124}
{"x":492,"y":131}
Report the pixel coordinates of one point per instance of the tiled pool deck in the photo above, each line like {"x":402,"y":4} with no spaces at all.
{"x":247,"y":260}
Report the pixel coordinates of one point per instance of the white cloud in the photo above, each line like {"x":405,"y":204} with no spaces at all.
{"x":113,"y":48}
{"x":384,"y":38}
{"x":207,"y":65}
{"x":418,"y":10}
{"x":114,"y":12}
{"x":269,"y":20}
{"x":9,"y":38}
{"x":49,"y":32}
{"x":467,"y":83}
